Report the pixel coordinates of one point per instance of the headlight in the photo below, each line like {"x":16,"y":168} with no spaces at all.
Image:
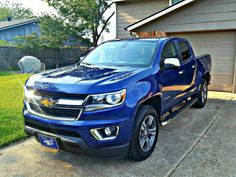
{"x":29,"y":94}
{"x":107,"y":100}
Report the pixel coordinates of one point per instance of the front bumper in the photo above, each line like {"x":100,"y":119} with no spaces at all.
{"x":75,"y":136}
{"x":73,"y":144}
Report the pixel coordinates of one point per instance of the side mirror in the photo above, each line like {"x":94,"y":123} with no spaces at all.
{"x":171,"y":63}
{"x":81,"y":58}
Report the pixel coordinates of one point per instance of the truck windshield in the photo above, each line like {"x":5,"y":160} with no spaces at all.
{"x":123,"y":53}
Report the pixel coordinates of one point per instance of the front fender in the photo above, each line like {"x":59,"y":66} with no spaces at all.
{"x":143,"y":90}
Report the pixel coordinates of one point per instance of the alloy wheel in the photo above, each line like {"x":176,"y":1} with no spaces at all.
{"x":204,"y":92}
{"x":147,"y":133}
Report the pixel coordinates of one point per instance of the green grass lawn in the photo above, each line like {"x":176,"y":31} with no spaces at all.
{"x":11,"y":103}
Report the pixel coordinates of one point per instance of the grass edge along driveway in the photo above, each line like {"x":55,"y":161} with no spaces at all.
{"x":11,"y":104}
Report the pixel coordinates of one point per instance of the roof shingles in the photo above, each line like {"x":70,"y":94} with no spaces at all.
{"x":11,"y":24}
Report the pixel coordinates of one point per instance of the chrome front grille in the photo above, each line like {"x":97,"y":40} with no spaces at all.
{"x":56,"y":106}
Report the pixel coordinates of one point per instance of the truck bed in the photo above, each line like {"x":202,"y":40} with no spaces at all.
{"x":206,"y":61}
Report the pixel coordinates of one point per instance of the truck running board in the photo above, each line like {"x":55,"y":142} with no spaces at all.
{"x":172,"y":115}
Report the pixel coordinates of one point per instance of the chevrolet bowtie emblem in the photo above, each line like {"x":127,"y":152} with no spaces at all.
{"x":47,"y":102}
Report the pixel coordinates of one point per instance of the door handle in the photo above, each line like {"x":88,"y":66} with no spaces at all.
{"x":181,"y":72}
{"x":194,"y":66}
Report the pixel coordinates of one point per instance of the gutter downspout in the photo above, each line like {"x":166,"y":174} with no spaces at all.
{"x":234,"y":76}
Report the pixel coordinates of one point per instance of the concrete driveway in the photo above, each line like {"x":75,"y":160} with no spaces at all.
{"x":200,"y":142}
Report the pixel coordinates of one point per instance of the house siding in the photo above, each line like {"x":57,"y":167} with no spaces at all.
{"x":23,"y":30}
{"x":209,"y":25}
{"x":201,"y":15}
{"x":132,"y":11}
{"x":234,"y":77}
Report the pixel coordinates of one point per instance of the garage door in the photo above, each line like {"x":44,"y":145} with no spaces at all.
{"x":221,"y":46}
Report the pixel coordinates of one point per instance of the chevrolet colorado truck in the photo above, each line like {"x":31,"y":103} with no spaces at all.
{"x":112,"y":103}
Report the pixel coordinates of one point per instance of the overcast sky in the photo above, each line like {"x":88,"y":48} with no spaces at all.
{"x":39,"y":6}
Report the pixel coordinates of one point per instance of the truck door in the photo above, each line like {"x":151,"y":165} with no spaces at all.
{"x":189,"y":63}
{"x":172,"y":79}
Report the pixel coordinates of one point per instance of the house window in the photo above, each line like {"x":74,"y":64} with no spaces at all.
{"x":172,"y":2}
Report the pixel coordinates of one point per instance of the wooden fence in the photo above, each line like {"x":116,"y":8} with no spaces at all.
{"x":52,"y":58}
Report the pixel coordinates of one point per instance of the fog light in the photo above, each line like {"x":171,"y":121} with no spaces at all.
{"x":107,"y":131}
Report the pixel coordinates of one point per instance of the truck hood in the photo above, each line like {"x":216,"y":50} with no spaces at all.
{"x":82,"y":79}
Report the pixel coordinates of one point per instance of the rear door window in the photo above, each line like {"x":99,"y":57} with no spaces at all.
{"x":184,"y":50}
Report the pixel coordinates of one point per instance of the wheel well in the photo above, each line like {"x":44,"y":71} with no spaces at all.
{"x":155,"y":102}
{"x":207,"y":77}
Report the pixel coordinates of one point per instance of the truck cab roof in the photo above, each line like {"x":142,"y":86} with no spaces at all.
{"x":146,"y":39}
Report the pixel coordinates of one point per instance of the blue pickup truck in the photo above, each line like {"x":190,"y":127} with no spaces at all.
{"x":113,"y":101}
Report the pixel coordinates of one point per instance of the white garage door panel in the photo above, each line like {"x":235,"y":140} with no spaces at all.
{"x":221,"y":46}
{"x":219,"y":53}
{"x":218,"y":85}
{"x":224,"y":68}
{"x":223,"y":38}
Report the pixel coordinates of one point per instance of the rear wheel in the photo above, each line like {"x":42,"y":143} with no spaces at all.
{"x":202,"y":95}
{"x":145,"y":133}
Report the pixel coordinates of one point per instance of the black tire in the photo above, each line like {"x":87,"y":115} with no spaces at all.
{"x":146,"y":119}
{"x":202,"y":95}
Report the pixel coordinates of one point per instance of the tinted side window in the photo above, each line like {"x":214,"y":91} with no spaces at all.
{"x":169,"y":51}
{"x":185,"y":51}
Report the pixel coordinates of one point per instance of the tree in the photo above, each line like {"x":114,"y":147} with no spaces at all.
{"x":58,"y":34}
{"x":4,"y":43}
{"x":54,"y":34}
{"x":30,"y":41}
{"x":83,"y":18}
{"x":14,"y":10}
{"x":53,"y":31}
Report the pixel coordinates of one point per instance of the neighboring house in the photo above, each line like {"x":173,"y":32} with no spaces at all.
{"x":9,"y":30}
{"x":210,"y":25}
{"x":24,"y":27}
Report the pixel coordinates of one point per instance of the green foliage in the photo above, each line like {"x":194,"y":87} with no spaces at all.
{"x":34,"y":41}
{"x":4,"y":43}
{"x":54,"y":32}
{"x":82,"y":18}
{"x":76,"y":20}
{"x":11,"y":118}
{"x":28,"y":42}
{"x":14,"y":10}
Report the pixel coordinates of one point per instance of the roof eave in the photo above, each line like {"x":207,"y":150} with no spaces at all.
{"x":19,"y":24}
{"x":157,"y":15}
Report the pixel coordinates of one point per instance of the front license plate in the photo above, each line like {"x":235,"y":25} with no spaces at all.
{"x":48,"y":141}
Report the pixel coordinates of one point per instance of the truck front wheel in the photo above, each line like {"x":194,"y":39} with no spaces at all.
{"x":145,"y":133}
{"x":202,"y":95}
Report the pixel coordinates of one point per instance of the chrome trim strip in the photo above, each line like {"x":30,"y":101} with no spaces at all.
{"x":178,"y":114}
{"x":60,"y":101}
{"x":57,"y":107}
{"x":98,"y":137}
{"x":70,"y":102}
{"x":50,"y":134}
